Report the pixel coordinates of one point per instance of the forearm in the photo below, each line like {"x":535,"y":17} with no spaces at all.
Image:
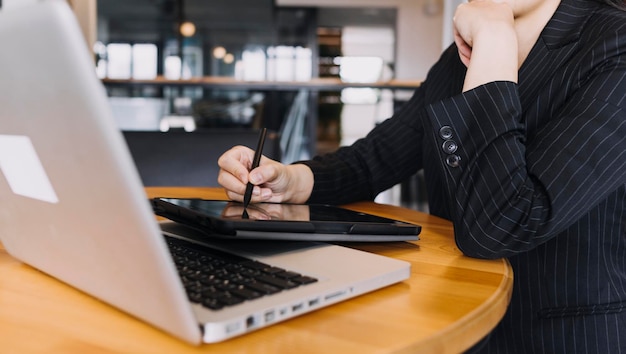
{"x":497,"y":206}
{"x":389,"y":154}
{"x":515,"y":189}
{"x":494,"y":57}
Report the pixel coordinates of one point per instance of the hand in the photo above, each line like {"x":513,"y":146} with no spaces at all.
{"x":484,"y":32}
{"x":274,"y":181}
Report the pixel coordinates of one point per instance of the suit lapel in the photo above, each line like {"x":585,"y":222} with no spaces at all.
{"x":555,"y":46}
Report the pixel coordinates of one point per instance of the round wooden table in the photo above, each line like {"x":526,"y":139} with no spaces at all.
{"x":448,"y":304}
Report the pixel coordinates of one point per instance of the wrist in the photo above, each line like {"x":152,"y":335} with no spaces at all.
{"x":494,"y":57}
{"x":301,"y":182}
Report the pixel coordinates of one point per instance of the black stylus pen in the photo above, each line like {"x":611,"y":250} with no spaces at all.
{"x":255,"y":164}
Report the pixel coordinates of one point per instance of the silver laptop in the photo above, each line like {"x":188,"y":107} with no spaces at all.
{"x":73,"y":205}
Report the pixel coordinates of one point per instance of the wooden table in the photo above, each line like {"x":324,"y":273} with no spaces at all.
{"x":449,"y":303}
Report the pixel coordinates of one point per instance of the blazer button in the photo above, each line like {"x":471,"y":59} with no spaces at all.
{"x":446,"y":132}
{"x":453,"y":160}
{"x":450,"y":146}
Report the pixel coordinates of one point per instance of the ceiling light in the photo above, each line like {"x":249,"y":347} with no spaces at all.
{"x":187,"y":29}
{"x":219,"y":52}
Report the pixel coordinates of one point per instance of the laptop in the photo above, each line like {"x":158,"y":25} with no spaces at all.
{"x":73,"y":205}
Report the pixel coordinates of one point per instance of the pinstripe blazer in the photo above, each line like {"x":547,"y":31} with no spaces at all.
{"x":535,"y":172}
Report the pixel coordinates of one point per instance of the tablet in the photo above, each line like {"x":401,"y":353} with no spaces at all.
{"x":274,"y":221}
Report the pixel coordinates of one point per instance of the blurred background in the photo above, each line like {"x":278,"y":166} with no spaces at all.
{"x":318,"y":73}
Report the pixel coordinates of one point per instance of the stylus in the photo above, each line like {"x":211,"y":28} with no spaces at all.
{"x":255,"y":163}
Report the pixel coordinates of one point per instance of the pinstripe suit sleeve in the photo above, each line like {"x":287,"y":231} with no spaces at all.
{"x":389,"y":154}
{"x":513,"y":190}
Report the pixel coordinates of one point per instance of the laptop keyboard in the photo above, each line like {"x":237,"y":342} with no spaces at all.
{"x":217,"y":279}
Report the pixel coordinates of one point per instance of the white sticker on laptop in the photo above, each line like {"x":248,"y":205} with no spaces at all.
{"x":23,"y":169}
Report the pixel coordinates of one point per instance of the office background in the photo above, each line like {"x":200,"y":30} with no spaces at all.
{"x":395,"y":39}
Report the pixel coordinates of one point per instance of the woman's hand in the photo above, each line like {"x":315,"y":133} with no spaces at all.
{"x":274,"y":181}
{"x":484,"y":32}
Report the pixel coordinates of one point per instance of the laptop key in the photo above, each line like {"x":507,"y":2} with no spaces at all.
{"x":263,"y":288}
{"x":265,"y":268}
{"x":278,"y":282}
{"x":287,"y":274}
{"x":195,"y":297}
{"x":212,"y":304}
{"x":303,"y":280}
{"x":246,"y":293}
{"x":229,"y":300}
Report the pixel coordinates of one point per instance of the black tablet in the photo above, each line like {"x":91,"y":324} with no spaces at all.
{"x":305,"y":222}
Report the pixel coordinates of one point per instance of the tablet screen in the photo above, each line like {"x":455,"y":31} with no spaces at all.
{"x":228,"y":216}
{"x":275,"y":211}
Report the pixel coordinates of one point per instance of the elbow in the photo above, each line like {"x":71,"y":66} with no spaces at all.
{"x":501,"y":233}
{"x":482,"y":242}
{"x":474,"y":249}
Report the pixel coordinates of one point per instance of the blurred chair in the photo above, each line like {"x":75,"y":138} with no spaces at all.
{"x":178,"y":158}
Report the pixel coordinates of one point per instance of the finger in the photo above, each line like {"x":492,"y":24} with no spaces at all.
{"x":464,"y":50}
{"x":263,"y":194}
{"x":231,"y":183}
{"x":465,"y":58}
{"x":264,"y":173}
{"x":236,"y":161}
{"x":234,"y":196}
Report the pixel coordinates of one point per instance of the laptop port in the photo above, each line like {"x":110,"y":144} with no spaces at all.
{"x":335,"y":295}
{"x":233,"y":327}
{"x":269,"y":316}
{"x":249,"y":321}
{"x":297,"y":307}
{"x":314,"y":302}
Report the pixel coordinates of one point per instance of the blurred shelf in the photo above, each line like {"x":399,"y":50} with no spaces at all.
{"x":317,"y":84}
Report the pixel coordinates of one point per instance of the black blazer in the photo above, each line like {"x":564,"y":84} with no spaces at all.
{"x":535,"y":172}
